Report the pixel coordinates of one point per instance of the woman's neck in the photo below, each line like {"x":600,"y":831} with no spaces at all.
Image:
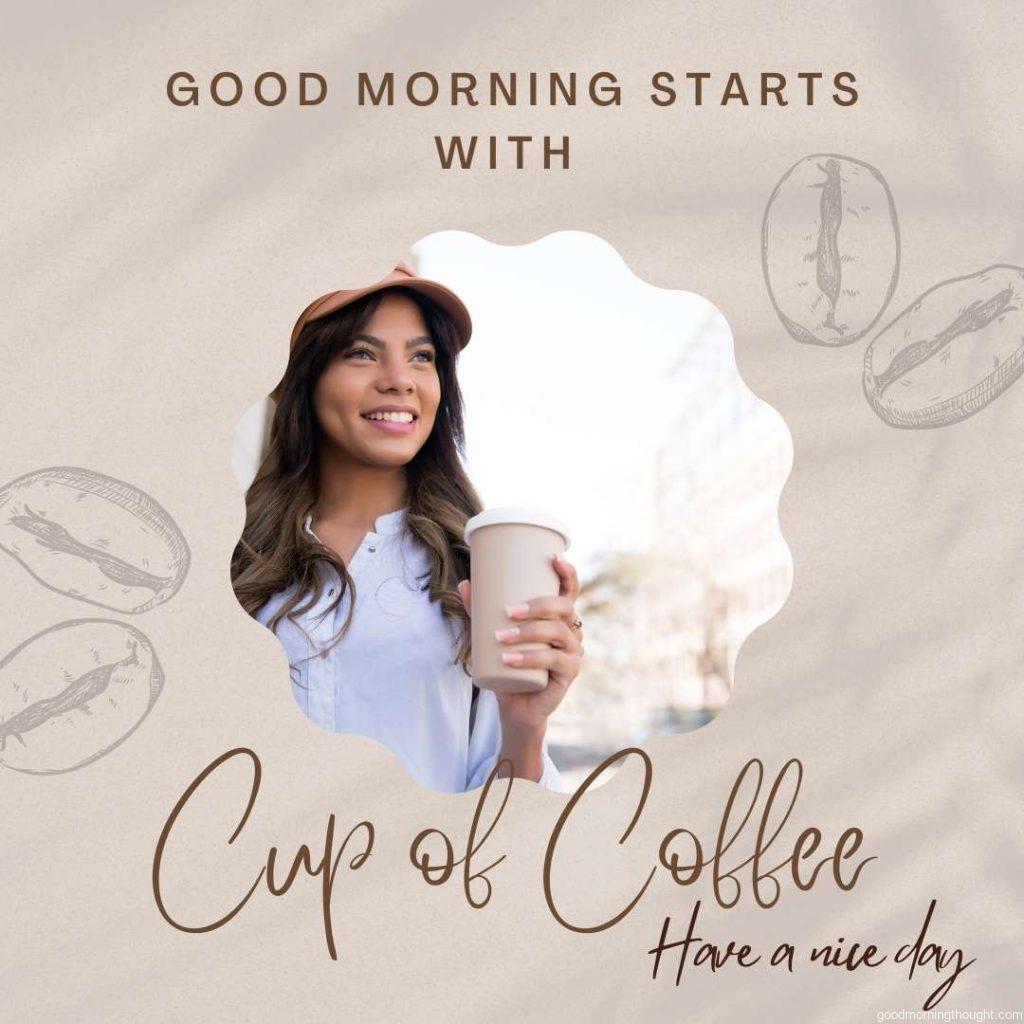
{"x":354,"y":493}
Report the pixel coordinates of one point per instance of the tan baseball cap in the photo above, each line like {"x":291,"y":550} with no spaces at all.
{"x":402,"y":275}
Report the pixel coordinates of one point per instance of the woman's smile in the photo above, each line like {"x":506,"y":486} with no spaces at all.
{"x":392,"y":421}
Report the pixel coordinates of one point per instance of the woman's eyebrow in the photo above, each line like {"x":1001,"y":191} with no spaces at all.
{"x":377,"y":343}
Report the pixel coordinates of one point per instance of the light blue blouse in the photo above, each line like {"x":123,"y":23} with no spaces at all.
{"x":392,"y":677}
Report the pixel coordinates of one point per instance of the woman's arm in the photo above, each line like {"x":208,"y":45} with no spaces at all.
{"x":489,"y":743}
{"x":523,"y":748}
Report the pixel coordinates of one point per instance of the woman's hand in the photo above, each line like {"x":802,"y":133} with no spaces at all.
{"x":548,"y":620}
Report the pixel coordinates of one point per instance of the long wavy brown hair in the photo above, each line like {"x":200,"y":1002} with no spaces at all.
{"x":275,"y":552}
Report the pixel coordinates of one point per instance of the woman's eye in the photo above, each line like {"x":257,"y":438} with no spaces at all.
{"x":353,"y":352}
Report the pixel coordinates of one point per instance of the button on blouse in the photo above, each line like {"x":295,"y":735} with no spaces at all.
{"x":393,"y":676}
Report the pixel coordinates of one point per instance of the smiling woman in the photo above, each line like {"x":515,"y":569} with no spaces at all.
{"x":353,"y":550}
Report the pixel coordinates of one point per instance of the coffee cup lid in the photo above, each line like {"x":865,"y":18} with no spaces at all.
{"x":528,"y":516}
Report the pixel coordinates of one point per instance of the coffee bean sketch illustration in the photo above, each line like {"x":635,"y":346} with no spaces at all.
{"x":93,"y":538}
{"x":72,"y":693}
{"x":950,"y":352}
{"x":830,"y":249}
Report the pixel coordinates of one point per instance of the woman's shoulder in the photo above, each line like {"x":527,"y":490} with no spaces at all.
{"x":274,"y":603}
{"x":328,"y":577}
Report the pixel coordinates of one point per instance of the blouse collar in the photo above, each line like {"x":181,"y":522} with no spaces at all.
{"x":389,"y":522}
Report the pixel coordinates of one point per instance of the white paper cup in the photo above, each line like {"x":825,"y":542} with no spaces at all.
{"x":510,"y":562}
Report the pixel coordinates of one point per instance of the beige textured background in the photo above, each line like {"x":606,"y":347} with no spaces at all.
{"x":155,"y":259}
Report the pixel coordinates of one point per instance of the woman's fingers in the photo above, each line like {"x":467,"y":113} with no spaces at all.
{"x":464,"y":593}
{"x":569,"y":583}
{"x":564,"y":665}
{"x":544,"y":631}
{"x":546,"y":620}
{"x":561,"y":607}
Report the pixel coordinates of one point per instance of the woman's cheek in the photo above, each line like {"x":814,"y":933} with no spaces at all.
{"x":428,"y":423}
{"x":435,"y":398}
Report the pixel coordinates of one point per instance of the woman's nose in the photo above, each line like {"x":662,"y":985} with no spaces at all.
{"x":395,"y":376}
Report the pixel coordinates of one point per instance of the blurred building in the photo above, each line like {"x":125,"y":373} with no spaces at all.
{"x":662,"y":629}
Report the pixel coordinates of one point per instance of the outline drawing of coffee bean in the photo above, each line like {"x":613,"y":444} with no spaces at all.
{"x":93,"y":538}
{"x":950,"y":352}
{"x":72,"y":693}
{"x":830,"y":249}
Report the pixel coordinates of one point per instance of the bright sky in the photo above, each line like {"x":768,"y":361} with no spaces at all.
{"x":566,"y":378}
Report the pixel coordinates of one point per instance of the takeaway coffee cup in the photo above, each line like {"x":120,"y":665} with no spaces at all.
{"x":510,"y":562}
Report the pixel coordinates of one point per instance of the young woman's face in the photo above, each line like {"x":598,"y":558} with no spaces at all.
{"x":377,"y":400}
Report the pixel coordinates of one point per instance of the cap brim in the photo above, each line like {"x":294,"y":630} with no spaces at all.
{"x":333,"y":301}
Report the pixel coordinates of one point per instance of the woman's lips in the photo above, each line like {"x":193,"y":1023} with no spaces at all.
{"x":392,"y":426}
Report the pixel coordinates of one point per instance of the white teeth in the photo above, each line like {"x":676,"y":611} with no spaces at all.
{"x":391,"y":417}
